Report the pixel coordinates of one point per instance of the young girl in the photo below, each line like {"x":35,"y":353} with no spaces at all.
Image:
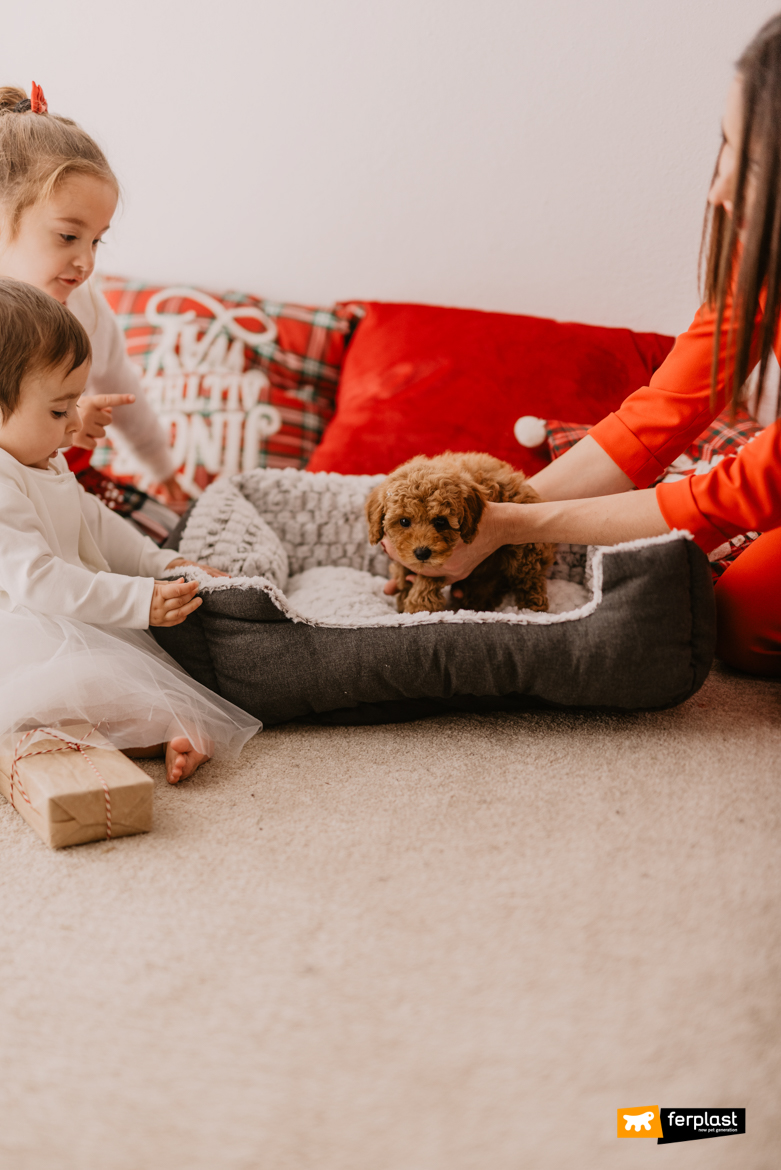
{"x":77,"y":583}
{"x":57,"y":197}
{"x":736,"y":328}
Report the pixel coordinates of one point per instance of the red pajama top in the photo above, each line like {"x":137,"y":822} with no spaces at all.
{"x":659,"y":421}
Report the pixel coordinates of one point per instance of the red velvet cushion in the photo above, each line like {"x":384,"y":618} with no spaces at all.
{"x":419,"y":380}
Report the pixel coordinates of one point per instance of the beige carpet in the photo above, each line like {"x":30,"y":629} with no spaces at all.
{"x":456,"y":944}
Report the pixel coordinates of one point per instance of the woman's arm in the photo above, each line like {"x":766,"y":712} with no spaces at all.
{"x":584,"y":470}
{"x":604,"y":520}
{"x":601,"y":520}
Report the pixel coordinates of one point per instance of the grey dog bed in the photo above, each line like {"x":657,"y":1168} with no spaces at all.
{"x":303,"y":630}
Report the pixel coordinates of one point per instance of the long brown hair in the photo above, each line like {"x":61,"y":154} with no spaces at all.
{"x":38,"y":152}
{"x":741,"y":269}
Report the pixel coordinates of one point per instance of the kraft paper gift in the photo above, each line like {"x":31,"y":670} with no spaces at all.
{"x":72,"y":786}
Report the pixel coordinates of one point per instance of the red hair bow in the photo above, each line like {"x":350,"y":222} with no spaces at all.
{"x":38,"y":103}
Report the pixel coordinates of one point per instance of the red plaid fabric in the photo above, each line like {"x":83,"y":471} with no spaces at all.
{"x":725,"y":436}
{"x":562,"y":436}
{"x":227,"y":402}
{"x":728,"y":552}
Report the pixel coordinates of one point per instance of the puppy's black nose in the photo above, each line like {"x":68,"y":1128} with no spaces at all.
{"x":422,"y":553}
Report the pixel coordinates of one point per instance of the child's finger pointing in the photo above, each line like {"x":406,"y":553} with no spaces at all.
{"x":106,"y":401}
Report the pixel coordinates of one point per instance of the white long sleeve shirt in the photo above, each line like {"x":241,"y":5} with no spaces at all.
{"x":64,"y":553}
{"x":113,"y":372}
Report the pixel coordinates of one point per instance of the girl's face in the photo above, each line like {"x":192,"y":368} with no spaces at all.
{"x":46,"y":417}
{"x":722,"y":192}
{"x":56,"y":242}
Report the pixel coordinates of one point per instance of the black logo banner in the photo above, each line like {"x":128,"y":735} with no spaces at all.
{"x":689,"y":1125}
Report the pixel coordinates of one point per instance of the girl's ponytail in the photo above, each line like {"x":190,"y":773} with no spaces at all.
{"x":10,"y":97}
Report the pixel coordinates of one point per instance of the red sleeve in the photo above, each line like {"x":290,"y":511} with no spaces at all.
{"x":78,"y":459}
{"x":659,"y":421}
{"x":740,"y":494}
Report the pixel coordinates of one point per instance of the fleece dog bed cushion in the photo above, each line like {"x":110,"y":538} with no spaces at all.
{"x":303,"y":629}
{"x":421,"y":379}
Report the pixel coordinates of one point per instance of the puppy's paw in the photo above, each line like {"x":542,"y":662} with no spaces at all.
{"x":425,"y":596}
{"x":537,"y":601}
{"x":434,"y":605}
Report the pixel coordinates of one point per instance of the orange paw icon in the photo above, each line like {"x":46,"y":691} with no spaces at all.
{"x":641,"y":1121}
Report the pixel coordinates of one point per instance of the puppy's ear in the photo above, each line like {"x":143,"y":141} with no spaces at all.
{"x":375,"y":514}
{"x":474,"y":501}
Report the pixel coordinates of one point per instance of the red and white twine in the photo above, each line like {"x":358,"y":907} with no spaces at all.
{"x":67,"y":745}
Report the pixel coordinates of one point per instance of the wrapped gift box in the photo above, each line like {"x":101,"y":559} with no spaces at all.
{"x":73,"y":787}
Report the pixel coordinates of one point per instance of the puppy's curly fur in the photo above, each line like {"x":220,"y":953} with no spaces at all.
{"x":426,"y":504}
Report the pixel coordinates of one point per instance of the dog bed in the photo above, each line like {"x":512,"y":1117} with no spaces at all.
{"x":303,"y":630}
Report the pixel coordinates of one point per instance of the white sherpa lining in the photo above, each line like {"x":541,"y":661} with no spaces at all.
{"x":315,"y":522}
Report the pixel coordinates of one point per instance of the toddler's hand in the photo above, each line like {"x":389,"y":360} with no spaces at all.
{"x":206,"y":568}
{"x":172,"y":601}
{"x":95,"y":413}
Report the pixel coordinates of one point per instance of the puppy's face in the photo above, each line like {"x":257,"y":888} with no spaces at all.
{"x":424,"y":512}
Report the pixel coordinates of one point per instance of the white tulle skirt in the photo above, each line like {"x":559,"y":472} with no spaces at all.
{"x":55,"y":672}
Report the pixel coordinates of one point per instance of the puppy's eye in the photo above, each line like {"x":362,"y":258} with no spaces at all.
{"x":405,"y":522}
{"x":440,"y":523}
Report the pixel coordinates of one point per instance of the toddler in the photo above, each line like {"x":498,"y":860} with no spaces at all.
{"x":77,"y":583}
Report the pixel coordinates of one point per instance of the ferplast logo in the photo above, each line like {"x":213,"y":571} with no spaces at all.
{"x":669,"y":1125}
{"x":690,"y":1125}
{"x":641,"y":1121}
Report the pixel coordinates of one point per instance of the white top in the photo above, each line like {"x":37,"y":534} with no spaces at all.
{"x":63,"y":553}
{"x":113,"y":372}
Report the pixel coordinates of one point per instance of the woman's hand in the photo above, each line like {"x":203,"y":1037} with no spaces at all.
{"x":171,"y":493}
{"x":95,"y":411}
{"x":172,"y":602}
{"x":206,"y":568}
{"x":464,"y":557}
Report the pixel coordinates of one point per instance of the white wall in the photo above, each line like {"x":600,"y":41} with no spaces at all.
{"x":538,"y":156}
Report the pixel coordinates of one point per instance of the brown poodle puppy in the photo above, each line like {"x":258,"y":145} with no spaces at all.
{"x":426,"y":504}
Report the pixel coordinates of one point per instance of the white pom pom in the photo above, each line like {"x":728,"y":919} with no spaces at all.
{"x":530,"y":431}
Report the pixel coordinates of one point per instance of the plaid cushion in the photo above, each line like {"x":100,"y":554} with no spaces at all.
{"x":725,"y":436}
{"x":562,"y":436}
{"x":239,"y":382}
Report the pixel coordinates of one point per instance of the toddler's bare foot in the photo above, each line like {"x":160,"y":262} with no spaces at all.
{"x":181,"y":759}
